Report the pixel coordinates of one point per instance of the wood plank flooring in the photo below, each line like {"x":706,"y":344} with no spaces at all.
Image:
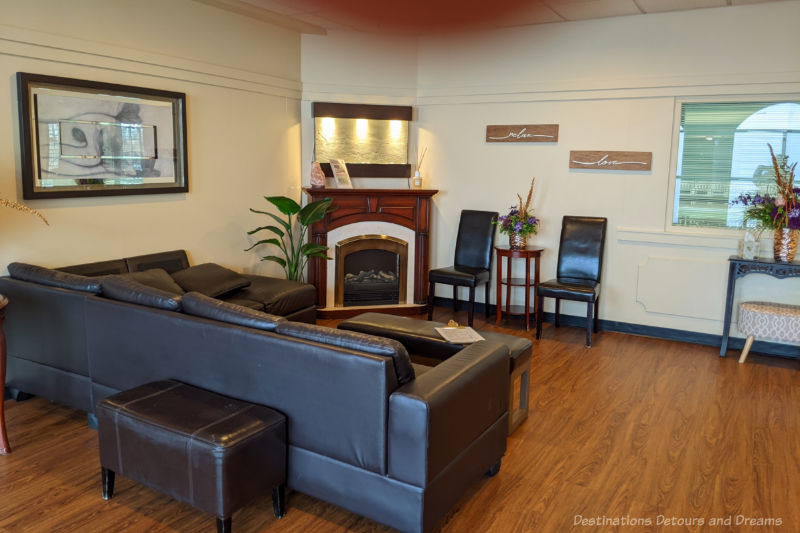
{"x":629,"y":430}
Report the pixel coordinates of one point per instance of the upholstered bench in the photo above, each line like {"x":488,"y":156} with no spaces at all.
{"x":420,"y":338}
{"x":773,"y":321}
{"x":212,"y":452}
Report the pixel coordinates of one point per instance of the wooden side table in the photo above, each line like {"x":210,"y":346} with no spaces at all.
{"x":4,"y":447}
{"x":509,"y":281}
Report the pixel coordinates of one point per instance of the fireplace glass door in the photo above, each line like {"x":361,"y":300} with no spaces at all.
{"x":371,"y":270}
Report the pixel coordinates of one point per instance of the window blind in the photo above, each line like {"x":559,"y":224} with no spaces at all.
{"x":722,"y":153}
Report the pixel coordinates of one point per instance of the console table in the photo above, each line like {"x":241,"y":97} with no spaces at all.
{"x":4,"y":447}
{"x":509,"y":253}
{"x":738,"y":268}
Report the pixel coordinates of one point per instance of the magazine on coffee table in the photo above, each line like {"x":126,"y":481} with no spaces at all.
{"x":459,"y":335}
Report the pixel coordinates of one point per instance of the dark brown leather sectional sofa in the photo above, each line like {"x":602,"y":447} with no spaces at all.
{"x":366,"y":430}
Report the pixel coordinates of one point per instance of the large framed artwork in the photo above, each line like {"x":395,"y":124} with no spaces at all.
{"x":86,"y":138}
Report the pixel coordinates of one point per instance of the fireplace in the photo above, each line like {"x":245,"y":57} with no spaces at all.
{"x":371,"y":270}
{"x":380,"y":238}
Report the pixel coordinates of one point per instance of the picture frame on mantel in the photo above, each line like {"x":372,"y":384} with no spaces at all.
{"x":86,"y":138}
{"x":341,"y":178}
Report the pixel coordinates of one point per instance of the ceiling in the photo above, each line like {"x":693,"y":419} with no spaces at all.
{"x":427,"y":16}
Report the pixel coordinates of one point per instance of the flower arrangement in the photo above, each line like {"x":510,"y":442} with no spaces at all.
{"x":781,"y":210}
{"x":520,"y":219}
{"x":25,"y":209}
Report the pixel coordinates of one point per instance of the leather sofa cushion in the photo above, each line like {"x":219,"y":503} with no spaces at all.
{"x":210,"y":279}
{"x":353,"y":341}
{"x":54,"y":278}
{"x":279,"y":296}
{"x":198,"y":304}
{"x":130,"y":290}
{"x":171,"y":261}
{"x":421,"y":338}
{"x":156,"y":278}
{"x":100,"y":268}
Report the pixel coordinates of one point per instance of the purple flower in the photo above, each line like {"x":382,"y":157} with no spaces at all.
{"x":518,"y":226}
{"x":513,"y":212}
{"x":758,"y":200}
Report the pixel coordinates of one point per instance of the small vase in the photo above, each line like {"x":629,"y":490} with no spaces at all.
{"x":517,"y":241}
{"x":785,"y":244}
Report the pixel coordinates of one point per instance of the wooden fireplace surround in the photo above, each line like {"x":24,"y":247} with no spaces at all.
{"x":406,"y":207}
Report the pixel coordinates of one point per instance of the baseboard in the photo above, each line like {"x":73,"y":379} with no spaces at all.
{"x":788,"y":351}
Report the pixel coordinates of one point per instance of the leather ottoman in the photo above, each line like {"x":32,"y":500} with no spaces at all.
{"x":420,"y":338}
{"x":212,"y":452}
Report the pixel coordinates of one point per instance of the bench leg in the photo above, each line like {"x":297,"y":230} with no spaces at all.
{"x":746,"y":350}
{"x":224,"y":525}
{"x":107,"y":477}
{"x":279,"y":501}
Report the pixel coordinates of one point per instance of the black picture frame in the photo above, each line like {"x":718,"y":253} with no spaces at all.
{"x":82,"y":138}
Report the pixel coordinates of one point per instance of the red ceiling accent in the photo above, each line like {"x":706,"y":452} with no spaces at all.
{"x":418,"y":16}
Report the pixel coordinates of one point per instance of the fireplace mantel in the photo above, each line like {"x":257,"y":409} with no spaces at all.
{"x":406,"y":207}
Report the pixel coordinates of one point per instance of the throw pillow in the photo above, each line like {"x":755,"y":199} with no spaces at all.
{"x":156,"y":278}
{"x":210,"y":279}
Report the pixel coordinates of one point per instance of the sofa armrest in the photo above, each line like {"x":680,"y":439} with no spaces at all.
{"x":435,"y":417}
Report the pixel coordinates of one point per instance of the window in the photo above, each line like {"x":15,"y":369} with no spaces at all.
{"x":722,"y":152}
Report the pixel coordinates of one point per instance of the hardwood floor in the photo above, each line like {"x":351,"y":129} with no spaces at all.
{"x":630,"y":429}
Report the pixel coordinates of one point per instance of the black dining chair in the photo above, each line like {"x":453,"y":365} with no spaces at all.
{"x":580,"y":262}
{"x":473,"y":260}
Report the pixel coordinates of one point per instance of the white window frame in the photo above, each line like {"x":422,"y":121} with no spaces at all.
{"x":673,"y":162}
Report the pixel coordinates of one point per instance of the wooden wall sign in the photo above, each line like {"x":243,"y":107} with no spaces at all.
{"x":525,"y":133}
{"x":601,"y":160}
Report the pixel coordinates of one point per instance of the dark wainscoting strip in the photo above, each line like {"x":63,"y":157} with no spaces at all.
{"x":706,"y":339}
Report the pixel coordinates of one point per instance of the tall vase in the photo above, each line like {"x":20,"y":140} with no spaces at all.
{"x":517,"y":241}
{"x":785,"y":244}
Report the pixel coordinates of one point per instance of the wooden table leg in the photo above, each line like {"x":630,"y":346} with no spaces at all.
{"x":527,"y":293}
{"x":4,"y":446}
{"x":499,"y":294}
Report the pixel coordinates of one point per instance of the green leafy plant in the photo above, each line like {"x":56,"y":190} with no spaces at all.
{"x":291,"y":234}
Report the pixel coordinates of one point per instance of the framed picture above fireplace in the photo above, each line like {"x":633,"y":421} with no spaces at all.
{"x":87,"y":138}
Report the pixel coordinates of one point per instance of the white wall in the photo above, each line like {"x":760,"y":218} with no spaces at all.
{"x":241,"y":79}
{"x":611,"y":84}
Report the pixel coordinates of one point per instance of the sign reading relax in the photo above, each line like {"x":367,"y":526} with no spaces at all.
{"x":596,"y":159}
{"x":525,"y":133}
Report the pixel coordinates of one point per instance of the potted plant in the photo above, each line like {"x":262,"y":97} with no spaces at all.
{"x":779,"y":211}
{"x":519,"y":223}
{"x":291,"y":234}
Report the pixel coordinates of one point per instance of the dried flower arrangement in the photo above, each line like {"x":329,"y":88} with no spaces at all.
{"x":520,"y":219}
{"x":781,"y":210}
{"x":25,"y":209}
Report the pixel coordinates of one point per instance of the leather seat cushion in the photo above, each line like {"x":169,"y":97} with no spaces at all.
{"x":54,"y":278}
{"x":210,"y":279}
{"x":459,"y":275}
{"x":420,"y":336}
{"x":198,"y":304}
{"x":244,"y":302}
{"x":403,"y":367}
{"x":279,"y":296}
{"x":581,"y":290}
